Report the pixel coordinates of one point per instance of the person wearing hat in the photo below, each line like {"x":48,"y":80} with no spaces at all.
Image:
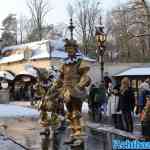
{"x":145,"y":119}
{"x":73,"y":75}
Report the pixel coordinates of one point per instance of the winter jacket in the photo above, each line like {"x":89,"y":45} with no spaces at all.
{"x":97,"y":95}
{"x":112,"y":106}
{"x":146,"y":122}
{"x":127,"y":101}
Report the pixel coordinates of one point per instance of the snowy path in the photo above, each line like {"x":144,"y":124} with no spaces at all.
{"x":8,"y":110}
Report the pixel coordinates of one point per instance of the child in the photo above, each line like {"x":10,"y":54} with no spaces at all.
{"x":145,"y":119}
{"x":112,"y":108}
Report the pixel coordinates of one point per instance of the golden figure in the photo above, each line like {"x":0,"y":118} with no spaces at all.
{"x":74,"y":81}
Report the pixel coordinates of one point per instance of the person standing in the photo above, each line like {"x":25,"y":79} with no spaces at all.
{"x":102,"y":99}
{"x":144,"y":89}
{"x":107,"y":80}
{"x":126,"y":104}
{"x":97,"y":97}
{"x":112,"y":108}
{"x":145,"y":119}
{"x":110,"y":89}
{"x":91,"y":101}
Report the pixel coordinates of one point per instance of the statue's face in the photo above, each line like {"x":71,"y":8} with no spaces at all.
{"x":71,"y":51}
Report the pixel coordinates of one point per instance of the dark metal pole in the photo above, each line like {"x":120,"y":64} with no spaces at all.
{"x":102,"y":68}
{"x":101,"y":61}
{"x":71,"y":28}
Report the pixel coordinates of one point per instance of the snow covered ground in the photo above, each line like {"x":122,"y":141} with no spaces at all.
{"x":21,"y":109}
{"x":8,"y":110}
{"x":8,"y":145}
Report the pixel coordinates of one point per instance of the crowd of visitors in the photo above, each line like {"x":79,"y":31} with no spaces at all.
{"x":119,"y":103}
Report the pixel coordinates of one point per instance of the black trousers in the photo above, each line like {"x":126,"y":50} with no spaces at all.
{"x":117,"y":121}
{"x":145,"y":128}
{"x":127,"y":121}
{"x":96,"y":113}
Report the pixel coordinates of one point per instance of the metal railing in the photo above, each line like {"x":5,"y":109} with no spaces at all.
{"x":104,"y":135}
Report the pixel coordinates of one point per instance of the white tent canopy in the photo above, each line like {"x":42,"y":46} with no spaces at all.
{"x":7,"y":75}
{"x":141,"y":71}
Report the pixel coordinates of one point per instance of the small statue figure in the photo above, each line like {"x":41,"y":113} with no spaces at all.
{"x":49,"y":103}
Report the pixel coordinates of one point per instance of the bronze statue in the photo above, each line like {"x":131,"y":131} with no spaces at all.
{"x":71,"y":87}
{"x":74,"y":80}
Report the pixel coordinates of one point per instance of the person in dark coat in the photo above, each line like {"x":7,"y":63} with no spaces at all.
{"x":97,"y":98}
{"x":93,"y":105}
{"x":107,"y":80}
{"x":126,"y":104}
{"x":145,"y":119}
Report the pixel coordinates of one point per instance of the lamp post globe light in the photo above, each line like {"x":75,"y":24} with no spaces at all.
{"x":100,"y":43}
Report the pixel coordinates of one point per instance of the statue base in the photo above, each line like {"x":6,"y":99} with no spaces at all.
{"x":75,"y":144}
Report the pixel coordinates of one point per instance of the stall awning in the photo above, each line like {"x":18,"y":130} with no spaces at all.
{"x":7,"y":75}
{"x":29,"y":74}
{"x":140,"y":71}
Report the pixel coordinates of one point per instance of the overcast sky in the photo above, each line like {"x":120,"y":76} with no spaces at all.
{"x":58,"y":13}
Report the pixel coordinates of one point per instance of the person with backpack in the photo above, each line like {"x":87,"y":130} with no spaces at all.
{"x":93,"y":102}
{"x":97,"y":98}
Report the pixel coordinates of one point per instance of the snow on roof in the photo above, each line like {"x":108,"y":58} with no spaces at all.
{"x":29,"y":70}
{"x":44,"y":54}
{"x":7,"y":110}
{"x":30,"y":45}
{"x":7,"y":75}
{"x":40,"y":50}
{"x":141,"y":71}
{"x":12,"y":58}
{"x":56,"y":44}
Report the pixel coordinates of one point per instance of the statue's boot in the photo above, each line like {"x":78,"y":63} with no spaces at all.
{"x":46,"y":132}
{"x":69,"y":141}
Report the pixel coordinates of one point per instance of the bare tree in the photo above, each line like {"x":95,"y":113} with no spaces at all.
{"x":129,"y":27}
{"x":22,"y":28}
{"x":9,"y":34}
{"x":39,"y":10}
{"x":86,"y":16}
{"x":70,"y":10}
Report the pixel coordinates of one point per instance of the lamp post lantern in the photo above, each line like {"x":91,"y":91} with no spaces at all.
{"x":100,"y":43}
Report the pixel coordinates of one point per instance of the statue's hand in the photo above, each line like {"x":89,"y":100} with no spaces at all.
{"x":84,"y":82}
{"x":67,"y":96}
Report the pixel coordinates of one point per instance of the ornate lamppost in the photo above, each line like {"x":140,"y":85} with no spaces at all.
{"x":71,"y":28}
{"x":100,"y":42}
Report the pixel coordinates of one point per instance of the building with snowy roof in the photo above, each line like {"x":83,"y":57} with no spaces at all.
{"x":40,"y":54}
